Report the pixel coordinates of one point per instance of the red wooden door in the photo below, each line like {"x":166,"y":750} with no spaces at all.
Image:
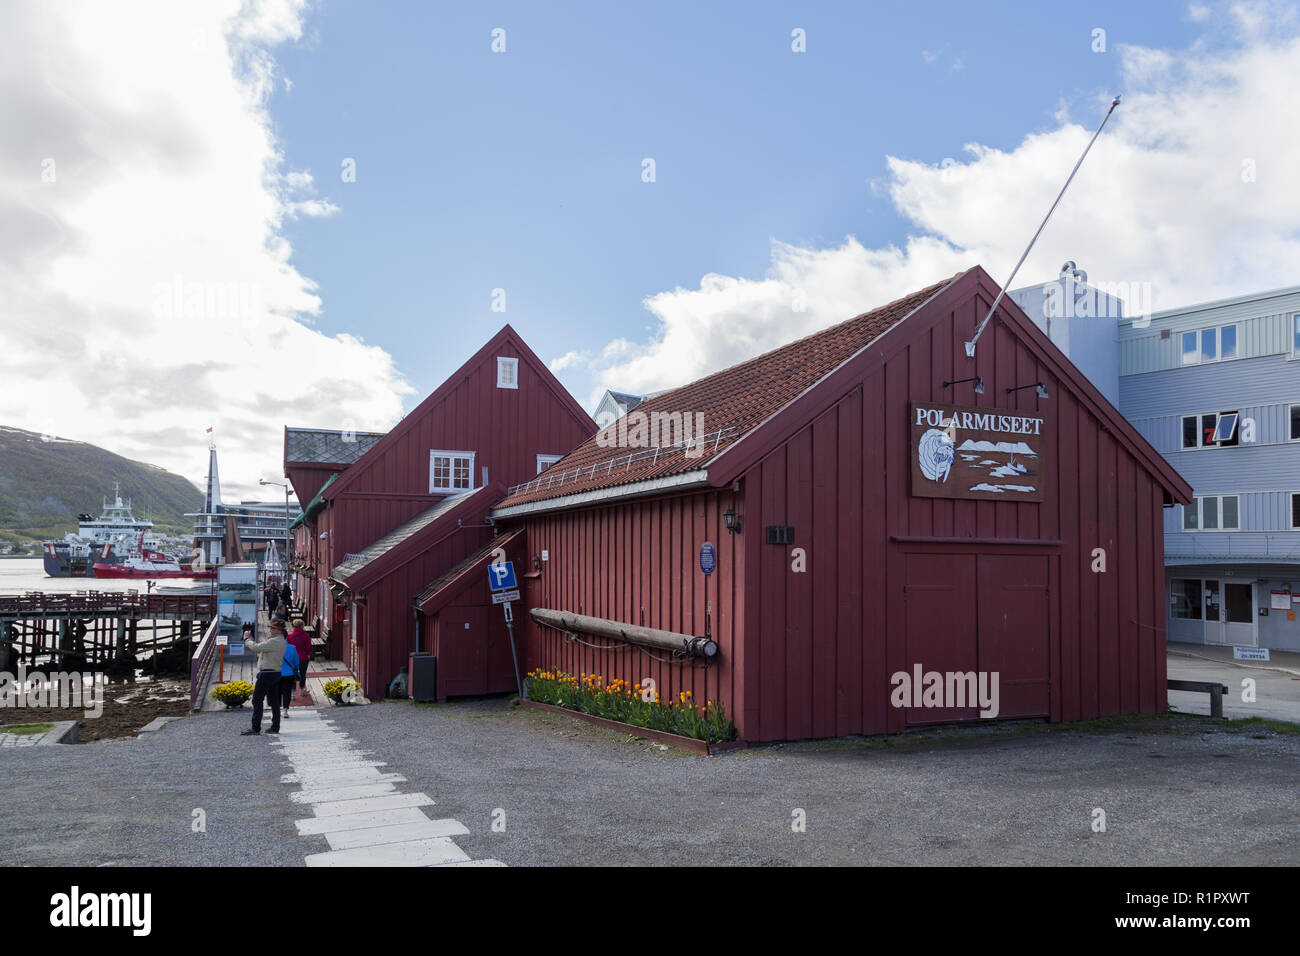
{"x":1014,"y":631}
{"x":941,"y":620}
{"x":461,"y":652}
{"x":500,"y":675}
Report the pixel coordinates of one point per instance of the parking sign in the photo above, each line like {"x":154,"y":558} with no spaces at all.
{"x":501,"y":576}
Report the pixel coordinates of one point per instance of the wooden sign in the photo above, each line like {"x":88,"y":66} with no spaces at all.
{"x":994,"y":454}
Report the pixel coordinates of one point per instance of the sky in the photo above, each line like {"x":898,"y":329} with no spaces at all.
{"x":241,"y":215}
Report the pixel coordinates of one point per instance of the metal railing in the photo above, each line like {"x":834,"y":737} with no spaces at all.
{"x":201,"y":662}
{"x":625,"y":462}
{"x":130,"y":603}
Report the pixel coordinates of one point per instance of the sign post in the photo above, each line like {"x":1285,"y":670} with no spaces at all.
{"x":501,"y":579}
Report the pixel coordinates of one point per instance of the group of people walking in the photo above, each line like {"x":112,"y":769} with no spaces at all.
{"x":275,"y":597}
{"x":281,"y":662}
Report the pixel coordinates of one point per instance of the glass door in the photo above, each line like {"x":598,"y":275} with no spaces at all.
{"x":1239,"y":614}
{"x":1214,"y":629}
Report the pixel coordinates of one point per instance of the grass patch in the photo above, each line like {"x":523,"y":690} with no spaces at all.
{"x":1168,"y":723}
{"x":24,"y":729}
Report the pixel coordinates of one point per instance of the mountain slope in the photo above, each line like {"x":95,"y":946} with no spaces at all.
{"x":45,"y":484}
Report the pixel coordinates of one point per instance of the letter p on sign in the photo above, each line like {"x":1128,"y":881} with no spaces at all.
{"x":501,"y":575}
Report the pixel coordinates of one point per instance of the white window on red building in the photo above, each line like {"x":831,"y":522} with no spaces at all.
{"x":451,"y":471}
{"x":507,"y":372}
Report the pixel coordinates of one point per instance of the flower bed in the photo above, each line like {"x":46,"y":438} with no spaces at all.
{"x":631,"y":704}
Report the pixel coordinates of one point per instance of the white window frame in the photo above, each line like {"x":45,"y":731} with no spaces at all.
{"x":1218,"y":344}
{"x":1291,"y":503}
{"x":546,"y":461}
{"x":1198,"y":504}
{"x":1295,"y":336}
{"x":1290,"y":411}
{"x":505,"y":362}
{"x":450,"y":488}
{"x":1200,"y":432}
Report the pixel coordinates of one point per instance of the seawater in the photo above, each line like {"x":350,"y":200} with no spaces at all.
{"x":20,"y":575}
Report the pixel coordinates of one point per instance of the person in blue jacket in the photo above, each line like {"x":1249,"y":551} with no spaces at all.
{"x":288,"y":677}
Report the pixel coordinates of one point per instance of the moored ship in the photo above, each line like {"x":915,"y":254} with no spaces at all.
{"x":116,"y":528}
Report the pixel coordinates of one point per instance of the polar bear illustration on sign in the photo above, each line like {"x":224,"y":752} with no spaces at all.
{"x":934,"y":453}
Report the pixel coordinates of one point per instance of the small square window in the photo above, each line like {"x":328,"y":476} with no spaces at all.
{"x":546,"y":461}
{"x":507,"y":372}
{"x":451,"y":471}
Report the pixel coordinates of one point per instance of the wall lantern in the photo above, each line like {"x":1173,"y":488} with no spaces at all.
{"x":1042,"y":389}
{"x":978,"y":380}
{"x":537,"y":563}
{"x":731,"y":520}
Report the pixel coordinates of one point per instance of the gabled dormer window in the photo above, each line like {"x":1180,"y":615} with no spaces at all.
{"x":507,"y":372}
{"x":451,"y":471}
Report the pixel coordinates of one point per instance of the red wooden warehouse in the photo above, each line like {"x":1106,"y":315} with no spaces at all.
{"x":413,"y":504}
{"x":880,"y":505}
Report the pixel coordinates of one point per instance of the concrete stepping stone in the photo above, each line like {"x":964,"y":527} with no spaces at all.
{"x":329,"y":794}
{"x":366,"y":804}
{"x":396,"y":833}
{"x":359,"y":821}
{"x":414,"y":853}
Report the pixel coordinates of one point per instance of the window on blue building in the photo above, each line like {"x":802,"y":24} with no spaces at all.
{"x":1295,"y":422}
{"x":1228,"y":342}
{"x":1211,"y":345}
{"x":1185,"y":599}
{"x":1295,"y":335}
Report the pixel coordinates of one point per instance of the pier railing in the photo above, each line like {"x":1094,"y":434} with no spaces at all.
{"x":201,"y":663}
{"x":108,"y":604}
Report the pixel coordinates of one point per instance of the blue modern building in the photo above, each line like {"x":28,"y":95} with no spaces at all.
{"x":1216,"y":389}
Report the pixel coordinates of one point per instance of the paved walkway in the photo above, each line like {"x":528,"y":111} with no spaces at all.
{"x":357,"y":807}
{"x":1276,"y":683}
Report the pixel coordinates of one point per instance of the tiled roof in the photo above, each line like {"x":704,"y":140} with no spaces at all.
{"x":732,"y":403}
{"x":388,"y":542}
{"x":327,"y":447}
{"x":452,"y":574}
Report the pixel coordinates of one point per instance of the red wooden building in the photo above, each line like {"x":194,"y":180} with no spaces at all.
{"x":413,"y":504}
{"x":885,"y":515}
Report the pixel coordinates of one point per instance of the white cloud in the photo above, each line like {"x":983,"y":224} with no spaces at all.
{"x":147,"y":291}
{"x":1165,"y":197}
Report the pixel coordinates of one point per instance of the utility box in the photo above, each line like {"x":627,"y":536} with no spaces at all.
{"x":423,"y":675}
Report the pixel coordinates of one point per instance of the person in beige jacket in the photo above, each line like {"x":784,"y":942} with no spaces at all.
{"x":270,"y":655}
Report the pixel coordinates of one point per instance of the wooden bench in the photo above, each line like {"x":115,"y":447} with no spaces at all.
{"x":1215,"y":690}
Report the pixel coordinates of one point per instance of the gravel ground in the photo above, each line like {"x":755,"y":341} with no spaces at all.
{"x":1176,"y":791}
{"x":129,"y":802}
{"x":1180,"y":791}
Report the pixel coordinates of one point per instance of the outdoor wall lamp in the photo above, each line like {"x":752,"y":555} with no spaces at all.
{"x":978,"y":380}
{"x":731,"y":520}
{"x":1042,"y":389}
{"x":537,"y":563}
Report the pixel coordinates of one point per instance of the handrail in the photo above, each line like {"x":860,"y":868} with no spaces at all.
{"x":201,"y":662}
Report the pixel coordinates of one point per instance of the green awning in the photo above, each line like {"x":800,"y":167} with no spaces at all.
{"x":315,"y":505}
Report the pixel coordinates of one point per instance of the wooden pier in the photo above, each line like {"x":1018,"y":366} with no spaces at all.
{"x":101,"y":630}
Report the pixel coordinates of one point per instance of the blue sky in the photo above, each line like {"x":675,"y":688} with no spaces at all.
{"x":522,"y":170}
{"x":174,"y":217}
